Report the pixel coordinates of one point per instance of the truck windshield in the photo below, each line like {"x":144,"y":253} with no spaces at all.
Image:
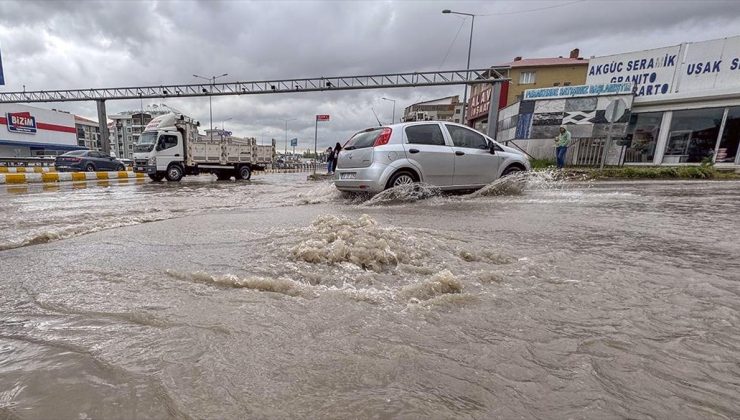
{"x":146,"y":142}
{"x":147,"y":138}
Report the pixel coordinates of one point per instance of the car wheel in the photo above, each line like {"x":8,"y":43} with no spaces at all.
{"x":244,"y":173}
{"x":121,"y":168}
{"x":401,"y":178}
{"x":174,"y":173}
{"x":511,"y":170}
{"x":156,"y":177}
{"x":90,"y":167}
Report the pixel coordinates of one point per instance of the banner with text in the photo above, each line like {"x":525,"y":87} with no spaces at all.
{"x":651,"y":71}
{"x":711,"y":65}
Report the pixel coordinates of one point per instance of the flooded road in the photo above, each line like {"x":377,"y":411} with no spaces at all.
{"x":282,"y":298}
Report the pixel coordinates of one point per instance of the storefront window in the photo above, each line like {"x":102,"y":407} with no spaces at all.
{"x":730,"y":137}
{"x":642,"y":135}
{"x":693,"y":135}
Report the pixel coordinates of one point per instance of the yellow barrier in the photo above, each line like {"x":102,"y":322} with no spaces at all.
{"x":51,"y":177}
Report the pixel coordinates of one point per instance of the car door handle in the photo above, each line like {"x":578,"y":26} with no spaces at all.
{"x":459,"y":153}
{"x":413,"y":150}
{"x":177,"y":155}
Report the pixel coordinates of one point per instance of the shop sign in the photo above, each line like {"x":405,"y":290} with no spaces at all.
{"x":576,"y":91}
{"x":651,"y":71}
{"x":21,"y":122}
{"x":479,"y":104}
{"x":711,"y":65}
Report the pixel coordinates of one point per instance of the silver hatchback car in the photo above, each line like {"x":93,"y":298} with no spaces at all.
{"x":448,"y":155}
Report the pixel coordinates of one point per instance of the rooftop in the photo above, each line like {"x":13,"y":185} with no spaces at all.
{"x":543,"y":62}
{"x":84,"y":120}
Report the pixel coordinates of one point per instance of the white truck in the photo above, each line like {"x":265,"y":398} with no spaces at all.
{"x":171,"y":148}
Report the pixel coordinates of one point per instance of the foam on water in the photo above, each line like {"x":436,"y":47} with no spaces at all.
{"x":441,"y":283}
{"x":277,"y":285}
{"x":334,"y":239}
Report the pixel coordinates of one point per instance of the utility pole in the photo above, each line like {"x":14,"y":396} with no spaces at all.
{"x":211,"y":79}
{"x":393,"y":118}
{"x":470,"y":47}
{"x":286,"y":133}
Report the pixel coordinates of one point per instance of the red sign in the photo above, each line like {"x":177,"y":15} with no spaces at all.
{"x":21,"y":122}
{"x":324,"y":117}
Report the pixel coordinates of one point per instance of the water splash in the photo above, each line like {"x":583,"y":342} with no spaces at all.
{"x":334,"y":240}
{"x":404,"y":194}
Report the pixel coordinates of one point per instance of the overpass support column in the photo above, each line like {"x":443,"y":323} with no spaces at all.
{"x":493,"y":110}
{"x":103,"y":125}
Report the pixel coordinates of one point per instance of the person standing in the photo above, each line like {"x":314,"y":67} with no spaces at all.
{"x":562,"y":141}
{"x":329,"y":160}
{"x":337,"y":149}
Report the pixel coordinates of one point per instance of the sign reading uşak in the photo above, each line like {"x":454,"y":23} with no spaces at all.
{"x":711,"y":65}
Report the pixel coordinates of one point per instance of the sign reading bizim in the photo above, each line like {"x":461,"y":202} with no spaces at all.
{"x":575,"y":91}
{"x":21,"y":122}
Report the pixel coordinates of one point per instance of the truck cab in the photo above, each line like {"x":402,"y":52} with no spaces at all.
{"x":160,"y":151}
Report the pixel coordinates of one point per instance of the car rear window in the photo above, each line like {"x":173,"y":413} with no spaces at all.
{"x":363,"y":139}
{"x":76,"y":153}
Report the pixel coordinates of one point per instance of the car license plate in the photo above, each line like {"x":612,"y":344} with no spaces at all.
{"x":348,"y":175}
{"x":140,"y":168}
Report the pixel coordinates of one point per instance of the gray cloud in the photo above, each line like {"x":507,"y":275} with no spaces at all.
{"x":77,"y":44}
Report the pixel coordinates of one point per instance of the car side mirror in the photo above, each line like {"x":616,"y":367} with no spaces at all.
{"x":492,"y":149}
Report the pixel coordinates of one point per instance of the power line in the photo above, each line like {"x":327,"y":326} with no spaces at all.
{"x":452,"y":43}
{"x":517,"y":12}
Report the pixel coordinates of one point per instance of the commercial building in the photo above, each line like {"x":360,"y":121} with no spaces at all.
{"x":525,"y":73}
{"x":685,"y":106}
{"x":88,"y":133}
{"x":28,"y":131}
{"x":442,"y":109}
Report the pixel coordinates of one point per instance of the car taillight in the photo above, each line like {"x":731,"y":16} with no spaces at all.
{"x":384,"y":137}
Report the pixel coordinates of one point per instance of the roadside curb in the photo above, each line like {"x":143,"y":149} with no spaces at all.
{"x":52,"y":177}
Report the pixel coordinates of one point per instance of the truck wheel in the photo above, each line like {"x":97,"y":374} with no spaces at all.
{"x":245,"y":172}
{"x":174,"y":173}
{"x":157,"y":177}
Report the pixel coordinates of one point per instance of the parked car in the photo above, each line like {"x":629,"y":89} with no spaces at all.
{"x":448,"y":155}
{"x":87,"y":160}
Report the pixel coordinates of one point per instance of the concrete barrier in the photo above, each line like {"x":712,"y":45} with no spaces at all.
{"x":48,"y":177}
{"x":25,"y":169}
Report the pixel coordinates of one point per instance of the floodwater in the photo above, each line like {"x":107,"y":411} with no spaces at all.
{"x":281,"y":298}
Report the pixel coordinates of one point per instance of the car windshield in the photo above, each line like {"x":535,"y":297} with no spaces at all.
{"x":363,"y":139}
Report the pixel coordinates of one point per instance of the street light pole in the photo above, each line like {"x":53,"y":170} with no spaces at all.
{"x":470,"y":47}
{"x":211,"y":79}
{"x":286,"y":134}
{"x":223,"y":126}
{"x":393,"y":118}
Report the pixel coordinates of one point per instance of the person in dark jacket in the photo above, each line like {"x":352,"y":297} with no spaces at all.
{"x":337,"y":149}
{"x":329,"y":160}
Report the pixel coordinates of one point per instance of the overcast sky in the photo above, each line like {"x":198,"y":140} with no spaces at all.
{"x":84,"y":44}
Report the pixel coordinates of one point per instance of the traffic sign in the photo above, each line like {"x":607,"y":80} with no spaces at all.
{"x":293,"y":142}
{"x":615,"y":110}
{"x":323,"y":117}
